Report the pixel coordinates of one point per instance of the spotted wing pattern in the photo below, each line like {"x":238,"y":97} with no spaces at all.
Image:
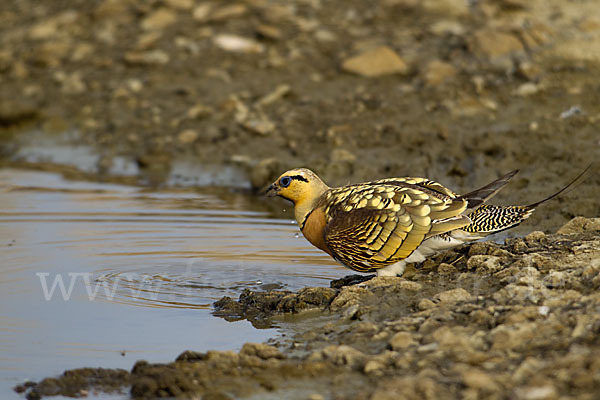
{"x":372,"y":225}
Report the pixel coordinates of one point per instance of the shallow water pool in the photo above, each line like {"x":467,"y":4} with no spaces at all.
{"x":102,"y":275}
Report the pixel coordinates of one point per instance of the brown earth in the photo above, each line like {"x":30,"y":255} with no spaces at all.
{"x":517,"y":321}
{"x":456,"y":91}
{"x":354,"y":90}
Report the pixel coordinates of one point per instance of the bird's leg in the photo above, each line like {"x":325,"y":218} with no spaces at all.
{"x":396,"y":269}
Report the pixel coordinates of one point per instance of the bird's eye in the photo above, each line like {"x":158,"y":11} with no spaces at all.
{"x":285,"y":181}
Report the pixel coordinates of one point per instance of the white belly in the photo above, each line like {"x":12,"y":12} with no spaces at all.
{"x":427,"y":248}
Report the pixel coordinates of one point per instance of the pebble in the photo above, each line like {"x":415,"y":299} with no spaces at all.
{"x":376,"y":62}
{"x":261,"y":350}
{"x":277,"y":94}
{"x":580,"y":224}
{"x":478,"y":379}
{"x":342,"y":155}
{"x":228,"y":12}
{"x":527,"y":89}
{"x":198,"y":111}
{"x":536,"y":393}
{"x":484,"y":264}
{"x":496,"y":47}
{"x":437,"y":72}
{"x":260,"y":125}
{"x":237,"y":44}
{"x":425,"y":304}
{"x":159,"y":19}
{"x":269,"y":32}
{"x":401,"y":341}
{"x":187,"y":136}
{"x":446,"y":269}
{"x":180,"y":4}
{"x":202,"y":11}
{"x":152,"y":57}
{"x":453,"y":295}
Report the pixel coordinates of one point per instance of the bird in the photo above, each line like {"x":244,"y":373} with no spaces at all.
{"x":383,"y":225}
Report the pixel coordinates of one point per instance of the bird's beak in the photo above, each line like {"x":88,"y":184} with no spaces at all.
{"x":272,"y":190}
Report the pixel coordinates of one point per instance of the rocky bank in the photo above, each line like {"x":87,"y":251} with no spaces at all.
{"x":513,"y":321}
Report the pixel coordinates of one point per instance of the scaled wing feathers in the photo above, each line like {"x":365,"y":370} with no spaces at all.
{"x":370,"y":226}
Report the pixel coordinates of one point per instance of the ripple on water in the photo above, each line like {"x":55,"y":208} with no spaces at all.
{"x":141,"y":269}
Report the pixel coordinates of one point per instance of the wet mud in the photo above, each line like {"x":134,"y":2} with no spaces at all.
{"x":519,"y":320}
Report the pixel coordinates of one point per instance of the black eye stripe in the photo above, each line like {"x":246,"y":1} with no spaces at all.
{"x":299,"y":178}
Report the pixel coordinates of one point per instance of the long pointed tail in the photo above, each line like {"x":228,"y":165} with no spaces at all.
{"x":488,"y":219}
{"x":477,"y":197}
{"x":571,"y":185}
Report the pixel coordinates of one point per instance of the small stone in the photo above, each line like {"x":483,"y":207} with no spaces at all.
{"x":580,"y":224}
{"x":228,"y":12}
{"x":180,"y":4}
{"x":341,"y":355}
{"x":323,"y":35}
{"x":555,"y":280}
{"x":373,"y":366}
{"x":341,"y":155}
{"x":260,"y":350}
{"x":425,"y":304}
{"x":446,"y":269}
{"x":534,"y":238}
{"x":188,"y":136}
{"x":270,"y":98}
{"x":401,"y":341}
{"x":135,"y":85}
{"x":198,"y":111}
{"x":43,"y":30}
{"x":571,"y":112}
{"x":376,"y":62}
{"x":438,"y":72}
{"x":529,"y":70}
{"x":453,"y":295}
{"x":153,"y":57}
{"x":478,"y":379}
{"x":260,"y":125}
{"x":454,"y":8}
{"x":445,"y":27}
{"x":484,"y":264}
{"x":202,"y":12}
{"x":410,"y":286}
{"x":269,"y":32}
{"x":237,"y":44}
{"x":547,"y":392}
{"x":71,"y":83}
{"x":159,"y":19}
{"x":527,"y":89}
{"x":496,"y":47}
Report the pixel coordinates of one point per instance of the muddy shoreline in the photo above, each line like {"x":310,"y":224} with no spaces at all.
{"x":519,"y":320}
{"x":456,"y":91}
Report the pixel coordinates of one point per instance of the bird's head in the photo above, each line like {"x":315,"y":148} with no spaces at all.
{"x":297,"y":185}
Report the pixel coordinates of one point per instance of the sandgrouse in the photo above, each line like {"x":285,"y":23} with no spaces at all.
{"x":381,"y":226}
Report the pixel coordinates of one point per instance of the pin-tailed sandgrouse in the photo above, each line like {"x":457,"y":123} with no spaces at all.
{"x":380,"y":226}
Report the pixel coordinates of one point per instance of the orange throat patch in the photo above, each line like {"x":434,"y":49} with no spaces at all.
{"x":314,"y":228}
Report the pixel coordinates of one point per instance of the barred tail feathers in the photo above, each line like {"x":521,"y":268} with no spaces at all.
{"x":488,"y":219}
